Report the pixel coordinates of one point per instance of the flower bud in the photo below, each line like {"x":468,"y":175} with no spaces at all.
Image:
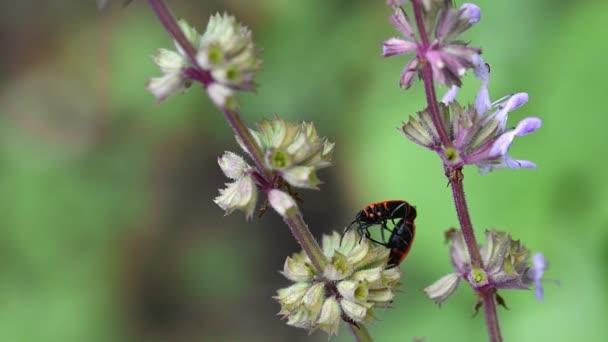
{"x":355,"y":291}
{"x":443,"y":288}
{"x":233,"y":165}
{"x":241,"y":194}
{"x":283,"y":203}
{"x":330,"y":317}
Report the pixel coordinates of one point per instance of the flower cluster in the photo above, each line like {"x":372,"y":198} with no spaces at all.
{"x":227,"y":50}
{"x":505,"y":266}
{"x":354,"y":282}
{"x":449,"y":58}
{"x":292,"y":152}
{"x":478,"y":132}
{"x":226,"y":60}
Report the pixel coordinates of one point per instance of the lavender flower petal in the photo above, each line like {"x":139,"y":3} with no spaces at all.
{"x":536,"y":273}
{"x":513,"y":102}
{"x":519,"y":163}
{"x":402,"y":23}
{"x":396,"y":46}
{"x":450,"y":96}
{"x":525,"y":126}
{"x":410,"y":70}
{"x":472,"y":11}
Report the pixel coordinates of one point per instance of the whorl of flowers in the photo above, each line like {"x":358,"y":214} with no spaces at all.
{"x":292,"y":151}
{"x":226,"y":59}
{"x":506,"y":265}
{"x":478,"y":132}
{"x":354,"y":282}
{"x":448,"y":56}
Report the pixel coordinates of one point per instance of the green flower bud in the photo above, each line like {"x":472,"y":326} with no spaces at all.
{"x":297,"y":270}
{"x":313,"y":299}
{"x":330,"y":317}
{"x":443,"y":288}
{"x":356,"y":312}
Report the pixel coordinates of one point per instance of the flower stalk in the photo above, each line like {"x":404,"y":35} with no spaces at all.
{"x":454,"y":175}
{"x":492,"y":316}
{"x":302,"y":234}
{"x":427,"y":75}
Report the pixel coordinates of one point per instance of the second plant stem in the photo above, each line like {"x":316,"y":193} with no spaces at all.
{"x":454,"y":175}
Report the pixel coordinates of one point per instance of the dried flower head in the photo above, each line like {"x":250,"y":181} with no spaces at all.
{"x":449,"y":57}
{"x":478,"y":132}
{"x":506,"y":265}
{"x":354,"y":282}
{"x":293,"y":151}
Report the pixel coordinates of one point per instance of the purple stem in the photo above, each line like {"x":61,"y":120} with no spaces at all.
{"x":492,"y":317}
{"x":170,"y":24}
{"x":455,"y":176}
{"x":427,"y":76}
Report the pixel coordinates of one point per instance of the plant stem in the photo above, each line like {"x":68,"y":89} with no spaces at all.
{"x":242,"y":131}
{"x":427,"y":76}
{"x":456,"y":178}
{"x":170,"y":24}
{"x":454,"y":174}
{"x":300,"y":231}
{"x":492,"y":317}
{"x":360,"y":332}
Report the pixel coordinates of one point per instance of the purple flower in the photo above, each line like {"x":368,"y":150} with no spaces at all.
{"x":535,"y":274}
{"x":478,"y":132}
{"x":448,"y":57}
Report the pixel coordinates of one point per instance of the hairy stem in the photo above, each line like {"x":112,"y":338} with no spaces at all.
{"x":456,"y":178}
{"x":492,"y":317}
{"x":454,"y":174}
{"x":427,"y":76}
{"x":242,"y":131}
{"x":300,"y":231}
{"x":170,"y":24}
{"x":360,"y":333}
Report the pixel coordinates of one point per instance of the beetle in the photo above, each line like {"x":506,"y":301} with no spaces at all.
{"x":400,"y":241}
{"x":380,"y":213}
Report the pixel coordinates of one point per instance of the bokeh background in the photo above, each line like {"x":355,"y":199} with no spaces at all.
{"x":108,"y":231}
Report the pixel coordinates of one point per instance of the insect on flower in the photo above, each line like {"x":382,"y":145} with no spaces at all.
{"x":400,"y":242}
{"x":402,"y":234}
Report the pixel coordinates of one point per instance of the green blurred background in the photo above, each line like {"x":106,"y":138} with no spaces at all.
{"x":108,"y":231}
